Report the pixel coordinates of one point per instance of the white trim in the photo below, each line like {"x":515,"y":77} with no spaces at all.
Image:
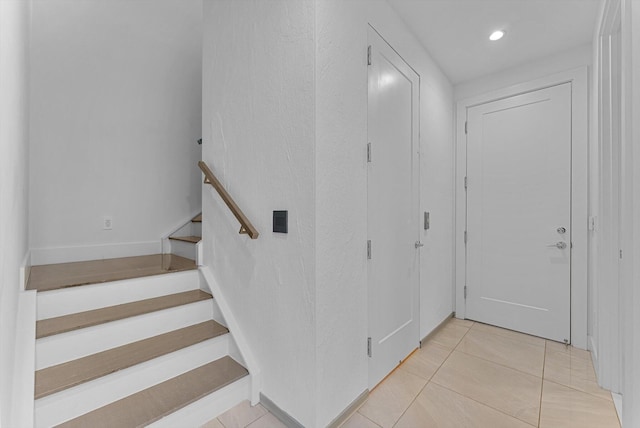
{"x":25,"y":270}
{"x":24,"y":362}
{"x":45,"y":256}
{"x":617,"y":402}
{"x":183,"y":228}
{"x":607,"y":287}
{"x":236,"y":332}
{"x":631,"y":243}
{"x":280,"y":414}
{"x":579,"y":208}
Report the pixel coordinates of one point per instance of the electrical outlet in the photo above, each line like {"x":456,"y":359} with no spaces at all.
{"x":107,"y":223}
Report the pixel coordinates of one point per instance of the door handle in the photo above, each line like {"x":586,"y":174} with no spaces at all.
{"x":419,"y":244}
{"x":559,"y":245}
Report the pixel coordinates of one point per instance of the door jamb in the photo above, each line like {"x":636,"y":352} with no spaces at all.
{"x":372,"y":32}
{"x":579,"y":190}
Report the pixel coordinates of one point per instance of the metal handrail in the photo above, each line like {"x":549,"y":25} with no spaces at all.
{"x":245,"y":225}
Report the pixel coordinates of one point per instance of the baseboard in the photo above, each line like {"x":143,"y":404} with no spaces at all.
{"x":22,"y":414}
{"x":180,"y":225}
{"x":232,"y":324}
{"x":283,"y":416}
{"x":594,"y":355}
{"x":25,"y":270}
{"x":592,"y":347}
{"x":45,"y":256}
{"x":617,"y":402}
{"x":350,"y":410}
{"x":437,"y":328}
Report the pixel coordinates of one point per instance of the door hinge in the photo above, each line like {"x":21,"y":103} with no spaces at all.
{"x":369,"y":55}
{"x":466,"y":130}
{"x":465,"y":291}
{"x":369,"y":346}
{"x":465,"y":182}
{"x":465,"y":236}
{"x":369,"y":249}
{"x":368,"y":152}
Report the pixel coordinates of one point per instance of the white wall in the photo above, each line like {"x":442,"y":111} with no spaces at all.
{"x":116,"y":112}
{"x":285,"y":108}
{"x":631,"y":275}
{"x":259,"y":139}
{"x":14,"y":144}
{"x":341,"y":192}
{"x":577,"y":57}
{"x":594,"y":192}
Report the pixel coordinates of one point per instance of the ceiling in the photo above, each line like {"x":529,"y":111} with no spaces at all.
{"x":456,"y":32}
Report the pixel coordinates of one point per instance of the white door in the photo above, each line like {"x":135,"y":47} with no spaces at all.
{"x":519,"y":212}
{"x":393,"y":218}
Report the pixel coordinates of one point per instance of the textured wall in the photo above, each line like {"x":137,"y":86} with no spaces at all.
{"x":259,"y":139}
{"x":285,"y":126}
{"x":14,"y":145}
{"x":116,"y":112}
{"x":341,"y":192}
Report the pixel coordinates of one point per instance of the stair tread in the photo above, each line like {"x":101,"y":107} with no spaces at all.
{"x":65,"y":323}
{"x":63,"y":275}
{"x":197,"y":219}
{"x":66,"y":375}
{"x":150,"y":405}
{"x":193,"y":239}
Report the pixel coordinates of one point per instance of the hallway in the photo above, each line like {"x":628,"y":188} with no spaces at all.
{"x":475,"y":375}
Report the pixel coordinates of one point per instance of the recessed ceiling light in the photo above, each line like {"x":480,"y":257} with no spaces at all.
{"x":496,"y":35}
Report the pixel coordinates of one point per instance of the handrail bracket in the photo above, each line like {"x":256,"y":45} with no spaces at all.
{"x":246,"y":228}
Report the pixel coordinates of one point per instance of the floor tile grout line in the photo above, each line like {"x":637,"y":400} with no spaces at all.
{"x":415,"y":398}
{"x":516,"y":339}
{"x":449,"y":351}
{"x":364,"y":416}
{"x":462,"y":395}
{"x":590,"y":395}
{"x":434,"y":373}
{"x":579,"y":390}
{"x":500,"y":364}
{"x":483,"y":404}
{"x":256,"y":420}
{"x":456,"y":349}
{"x":544,"y":363}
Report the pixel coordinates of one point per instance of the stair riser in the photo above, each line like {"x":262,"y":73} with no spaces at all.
{"x":79,"y":299}
{"x":183,"y":249}
{"x":207,"y":408}
{"x":73,"y":402}
{"x":75,"y":344}
{"x":191,"y":228}
{"x":196,"y":229}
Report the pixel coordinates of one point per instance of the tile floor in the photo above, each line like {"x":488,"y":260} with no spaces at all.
{"x":471,"y":375}
{"x":245,"y":416}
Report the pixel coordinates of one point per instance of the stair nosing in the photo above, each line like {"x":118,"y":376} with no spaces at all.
{"x":198,"y":294}
{"x":143,"y":270}
{"x":193,"y":239}
{"x":113,"y":354}
{"x":149,"y":396}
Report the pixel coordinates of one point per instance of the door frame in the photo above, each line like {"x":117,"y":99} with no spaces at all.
{"x":607,"y":343}
{"x":578,"y":77}
{"x":373,"y":33}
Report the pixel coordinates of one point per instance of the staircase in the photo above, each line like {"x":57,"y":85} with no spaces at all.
{"x":152,"y":350}
{"x":184,"y":241}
